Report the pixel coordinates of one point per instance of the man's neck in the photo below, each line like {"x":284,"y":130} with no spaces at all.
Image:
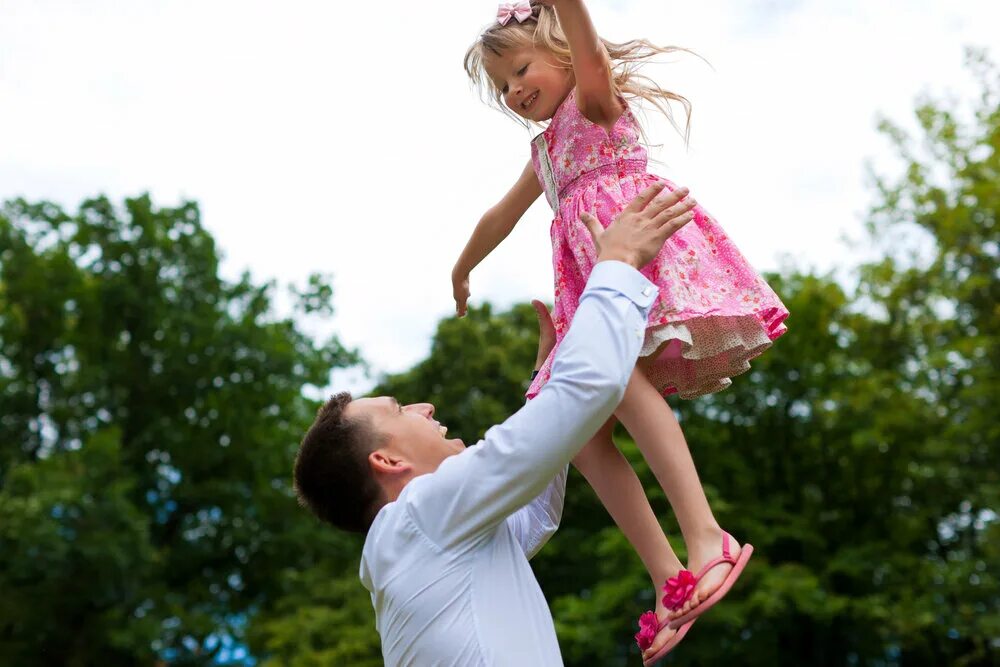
{"x":392,"y":487}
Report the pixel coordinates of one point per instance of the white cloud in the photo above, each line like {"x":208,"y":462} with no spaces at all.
{"x":342,"y":137}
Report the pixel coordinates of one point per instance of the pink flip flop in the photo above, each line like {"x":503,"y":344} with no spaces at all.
{"x":680,"y":588}
{"x":649,"y":626}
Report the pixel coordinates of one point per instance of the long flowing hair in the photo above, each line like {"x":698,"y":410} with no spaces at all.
{"x":543,"y":30}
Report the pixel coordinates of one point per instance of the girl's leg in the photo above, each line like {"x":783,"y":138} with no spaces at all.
{"x":611,"y":476}
{"x":651,"y":422}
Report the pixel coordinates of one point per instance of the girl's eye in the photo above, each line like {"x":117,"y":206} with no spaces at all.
{"x":521,"y":71}
{"x":504,"y":90}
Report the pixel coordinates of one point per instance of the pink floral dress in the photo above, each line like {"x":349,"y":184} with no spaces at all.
{"x":714,"y":312}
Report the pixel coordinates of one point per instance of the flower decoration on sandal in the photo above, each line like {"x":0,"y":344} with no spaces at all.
{"x":648,"y":627}
{"x":679,"y":589}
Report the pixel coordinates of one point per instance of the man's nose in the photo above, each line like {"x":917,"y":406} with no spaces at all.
{"x":422,"y":409}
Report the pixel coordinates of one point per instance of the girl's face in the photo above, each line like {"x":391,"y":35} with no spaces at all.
{"x":533,"y":83}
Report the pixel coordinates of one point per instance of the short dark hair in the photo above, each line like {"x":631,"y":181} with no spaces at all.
{"x":331,"y":473}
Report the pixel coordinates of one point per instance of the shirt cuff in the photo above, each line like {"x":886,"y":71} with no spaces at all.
{"x":622,"y":278}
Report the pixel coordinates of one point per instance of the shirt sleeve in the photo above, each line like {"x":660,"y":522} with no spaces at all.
{"x":536,"y":522}
{"x":471,"y":493}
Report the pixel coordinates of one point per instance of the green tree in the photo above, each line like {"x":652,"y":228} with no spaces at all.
{"x":939,"y":305}
{"x":149,"y":413}
{"x":324,"y":617}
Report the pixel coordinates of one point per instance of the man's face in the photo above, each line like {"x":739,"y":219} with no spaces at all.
{"x":412,"y":434}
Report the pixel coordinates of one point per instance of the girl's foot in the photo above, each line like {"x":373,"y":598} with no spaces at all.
{"x":699,"y":555}
{"x":654,"y":654}
{"x":654,"y":633}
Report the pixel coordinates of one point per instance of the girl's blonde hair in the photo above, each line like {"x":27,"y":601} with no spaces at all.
{"x":543,"y":30}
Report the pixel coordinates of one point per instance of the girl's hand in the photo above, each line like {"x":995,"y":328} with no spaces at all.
{"x":460,"y":291}
{"x":546,"y":333}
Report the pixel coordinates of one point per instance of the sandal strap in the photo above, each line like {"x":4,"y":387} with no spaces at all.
{"x":726,"y":557}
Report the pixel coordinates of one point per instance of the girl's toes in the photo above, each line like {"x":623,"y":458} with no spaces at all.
{"x":691,"y":604}
{"x":662,"y":637}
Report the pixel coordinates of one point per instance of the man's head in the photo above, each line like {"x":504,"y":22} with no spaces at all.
{"x":358,"y":455}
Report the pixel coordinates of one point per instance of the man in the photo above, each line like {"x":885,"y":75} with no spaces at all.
{"x":449,"y":529}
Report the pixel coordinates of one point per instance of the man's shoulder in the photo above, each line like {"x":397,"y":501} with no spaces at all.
{"x":396,"y":519}
{"x":400,"y":535}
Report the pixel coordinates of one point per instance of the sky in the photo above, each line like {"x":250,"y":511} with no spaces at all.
{"x":343,"y":138}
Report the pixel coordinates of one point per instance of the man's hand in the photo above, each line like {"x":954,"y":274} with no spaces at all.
{"x":460,"y":291}
{"x":546,"y":333}
{"x":637,"y":234}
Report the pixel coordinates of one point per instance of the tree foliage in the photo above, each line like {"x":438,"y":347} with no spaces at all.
{"x":149,"y":411}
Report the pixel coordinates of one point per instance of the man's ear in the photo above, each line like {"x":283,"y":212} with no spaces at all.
{"x":387,"y":463}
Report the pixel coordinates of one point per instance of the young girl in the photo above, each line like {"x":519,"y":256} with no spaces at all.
{"x":544,"y":61}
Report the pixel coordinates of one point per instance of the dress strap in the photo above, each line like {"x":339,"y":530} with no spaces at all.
{"x":546,"y":172}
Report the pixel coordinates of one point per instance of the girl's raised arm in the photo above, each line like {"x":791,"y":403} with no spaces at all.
{"x":591,"y":66}
{"x":493,"y":228}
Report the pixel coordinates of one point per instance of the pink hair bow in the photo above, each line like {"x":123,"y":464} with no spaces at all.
{"x":520,"y":10}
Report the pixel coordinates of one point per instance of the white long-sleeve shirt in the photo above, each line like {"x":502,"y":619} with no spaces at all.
{"x":447,"y":562}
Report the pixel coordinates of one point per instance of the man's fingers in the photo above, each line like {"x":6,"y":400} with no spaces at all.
{"x":666,"y":229}
{"x":678,"y":209}
{"x":593,"y":225}
{"x":667,"y":200}
{"x":644,"y":197}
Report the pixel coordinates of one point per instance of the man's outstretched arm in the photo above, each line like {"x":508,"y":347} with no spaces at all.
{"x":536,"y":522}
{"x":472,"y":492}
